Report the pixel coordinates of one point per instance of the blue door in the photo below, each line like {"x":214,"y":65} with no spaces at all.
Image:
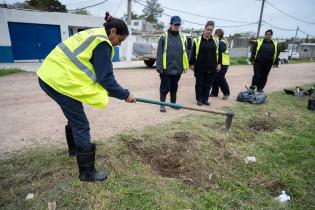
{"x":33,"y":41}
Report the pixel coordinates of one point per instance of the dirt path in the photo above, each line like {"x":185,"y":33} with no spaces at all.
{"x":31,"y":119}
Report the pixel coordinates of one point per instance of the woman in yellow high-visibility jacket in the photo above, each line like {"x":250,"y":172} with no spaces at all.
{"x":265,"y":54}
{"x":79,"y":70}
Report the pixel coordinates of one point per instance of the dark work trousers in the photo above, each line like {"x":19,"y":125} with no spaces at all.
{"x":204,"y":81}
{"x":169,"y":83}
{"x":261,"y":72}
{"x":74,"y":112}
{"x":220,"y":82}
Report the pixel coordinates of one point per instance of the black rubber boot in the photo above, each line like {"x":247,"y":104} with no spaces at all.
{"x":71,"y":145}
{"x":86,"y":164}
{"x":162,"y":98}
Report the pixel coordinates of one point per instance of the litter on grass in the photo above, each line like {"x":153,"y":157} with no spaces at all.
{"x":250,"y":159}
{"x":29,"y":196}
{"x":283,"y":198}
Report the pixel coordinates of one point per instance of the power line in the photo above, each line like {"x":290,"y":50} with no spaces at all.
{"x":81,"y":2}
{"x":118,"y":7}
{"x":200,"y":24}
{"x":93,"y":5}
{"x":283,"y":12}
{"x":285,"y":29}
{"x":282,"y":29}
{"x":197,"y":15}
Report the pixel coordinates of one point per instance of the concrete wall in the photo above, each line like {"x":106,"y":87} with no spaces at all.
{"x":238,"y":52}
{"x":307,"y":51}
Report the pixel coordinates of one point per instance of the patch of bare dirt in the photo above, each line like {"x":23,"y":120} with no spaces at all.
{"x":267,"y":122}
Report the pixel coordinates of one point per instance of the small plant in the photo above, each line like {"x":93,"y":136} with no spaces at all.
{"x":5,"y":71}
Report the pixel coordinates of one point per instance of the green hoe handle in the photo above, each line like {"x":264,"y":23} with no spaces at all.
{"x":148,"y":101}
{"x":179,"y":106}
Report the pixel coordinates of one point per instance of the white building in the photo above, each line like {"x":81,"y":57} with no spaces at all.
{"x":31,"y":35}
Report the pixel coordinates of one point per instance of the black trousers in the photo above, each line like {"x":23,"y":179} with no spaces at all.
{"x":74,"y":112}
{"x":204,"y":81}
{"x":169,"y":83}
{"x":220,"y":82}
{"x":261,"y":72}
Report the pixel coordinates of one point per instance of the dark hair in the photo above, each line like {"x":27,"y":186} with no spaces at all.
{"x":209,"y":23}
{"x":106,"y":16}
{"x":219,"y":31}
{"x":269,"y":30}
{"x":119,"y":24}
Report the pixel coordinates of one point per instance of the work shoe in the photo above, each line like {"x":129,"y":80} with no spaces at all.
{"x":225,"y":97}
{"x":162,"y":109}
{"x":86,"y":164}
{"x":71,"y":145}
{"x":207,"y":103}
{"x":199,"y":103}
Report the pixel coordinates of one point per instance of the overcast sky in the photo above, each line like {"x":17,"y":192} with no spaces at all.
{"x":237,"y":10}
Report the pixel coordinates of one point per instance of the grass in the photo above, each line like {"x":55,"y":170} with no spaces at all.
{"x":168,"y":166}
{"x":238,"y":61}
{"x":8,"y":71}
{"x":302,"y":60}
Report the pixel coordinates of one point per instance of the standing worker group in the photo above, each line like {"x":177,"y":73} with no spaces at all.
{"x":264,"y":55}
{"x":171,"y":60}
{"x":79,"y":70}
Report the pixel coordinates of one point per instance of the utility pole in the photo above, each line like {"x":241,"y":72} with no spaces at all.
{"x":260,"y":18}
{"x":129,"y":40}
{"x":297,"y":29}
{"x":129,"y":13}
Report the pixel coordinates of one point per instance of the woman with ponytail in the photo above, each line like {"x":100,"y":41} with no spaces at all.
{"x":79,"y":70}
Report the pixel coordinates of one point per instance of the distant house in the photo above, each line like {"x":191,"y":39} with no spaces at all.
{"x":142,"y":26}
{"x":31,"y":35}
{"x":306,"y":50}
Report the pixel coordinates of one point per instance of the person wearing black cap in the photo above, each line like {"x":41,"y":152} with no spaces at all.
{"x":171,"y":60}
{"x":265,"y":54}
{"x":204,"y":62}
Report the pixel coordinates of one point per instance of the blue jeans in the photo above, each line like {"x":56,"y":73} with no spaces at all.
{"x":74,"y":112}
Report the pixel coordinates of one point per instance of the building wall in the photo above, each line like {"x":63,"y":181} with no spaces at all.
{"x":238,"y":52}
{"x":64,"y":20}
{"x":306,"y":51}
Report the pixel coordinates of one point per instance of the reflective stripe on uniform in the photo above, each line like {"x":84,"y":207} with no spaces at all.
{"x":185,"y":56}
{"x":73,"y":55}
{"x":275,"y":43}
{"x":197,"y":44}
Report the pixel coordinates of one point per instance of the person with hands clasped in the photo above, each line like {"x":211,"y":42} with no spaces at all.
{"x":204,"y":62}
{"x":265,"y":54}
{"x":171,"y":60}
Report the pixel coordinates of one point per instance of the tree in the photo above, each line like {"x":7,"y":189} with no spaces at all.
{"x":283,"y":46}
{"x":134,"y":16}
{"x":81,"y":12}
{"x":46,"y":5}
{"x":152,"y":11}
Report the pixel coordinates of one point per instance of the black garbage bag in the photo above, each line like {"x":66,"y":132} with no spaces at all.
{"x":251,"y":95}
